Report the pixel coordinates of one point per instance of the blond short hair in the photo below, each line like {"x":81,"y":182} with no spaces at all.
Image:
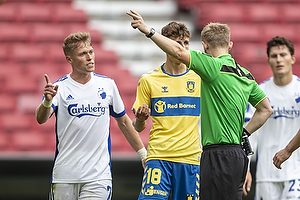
{"x":73,"y":41}
{"x":216,"y":35}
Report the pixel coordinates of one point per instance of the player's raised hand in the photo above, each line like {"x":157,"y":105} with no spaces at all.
{"x":138,"y":22}
{"x":50,"y":90}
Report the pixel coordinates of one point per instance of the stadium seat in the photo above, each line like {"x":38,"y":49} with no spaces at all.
{"x":113,"y":71}
{"x":8,"y":13}
{"x":56,"y":1}
{"x":27,"y":103}
{"x":34,"y":13}
{"x":24,"y":53}
{"x":18,"y":83}
{"x":46,"y":128}
{"x":8,"y":103}
{"x":48,"y":33}
{"x":67,"y":14}
{"x":261,"y":72}
{"x":296,"y":70}
{"x":4,"y":55}
{"x":249,"y":53}
{"x":37,"y":71}
{"x":56,"y":54}
{"x":15,"y":122}
{"x":281,"y":2}
{"x":211,"y":12}
{"x":263,"y":13}
{"x":288,"y":31}
{"x":28,"y":141}
{"x":187,"y":4}
{"x":23,"y":1}
{"x":4,"y":141}
{"x":245,"y":33}
{"x":14,"y":33}
{"x":103,"y":56}
{"x":291,"y":13}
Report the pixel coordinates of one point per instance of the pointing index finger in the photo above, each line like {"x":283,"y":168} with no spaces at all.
{"x":47,"y":79}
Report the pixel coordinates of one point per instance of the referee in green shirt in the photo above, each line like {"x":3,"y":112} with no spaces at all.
{"x":226,"y":88}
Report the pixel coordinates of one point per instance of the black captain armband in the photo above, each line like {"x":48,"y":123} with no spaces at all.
{"x":152,"y":32}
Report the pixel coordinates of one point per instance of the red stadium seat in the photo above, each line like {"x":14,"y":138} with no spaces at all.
{"x":15,"y":122}
{"x":14,"y":33}
{"x":56,"y":55}
{"x":29,"y":12}
{"x":261,"y":72}
{"x":47,"y":127}
{"x":27,"y":103}
{"x":8,"y":13}
{"x":210,"y":12}
{"x":4,"y":141}
{"x":48,"y":33}
{"x":8,"y":103}
{"x":4,"y":53}
{"x":187,"y":4}
{"x":249,"y":53}
{"x":296,"y":70}
{"x":24,"y":53}
{"x":288,"y":31}
{"x":28,"y":141}
{"x":291,"y":13}
{"x":241,"y":32}
{"x":103,"y":56}
{"x":57,"y":1}
{"x":263,"y":13}
{"x":67,"y":14}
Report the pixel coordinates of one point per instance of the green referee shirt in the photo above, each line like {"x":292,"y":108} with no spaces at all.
{"x":225,"y":90}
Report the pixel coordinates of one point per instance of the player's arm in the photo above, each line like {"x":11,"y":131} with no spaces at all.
{"x":44,"y":110}
{"x":140,"y":117}
{"x":262,"y":113}
{"x":169,"y":46}
{"x":285,"y":153}
{"x":131,"y":135}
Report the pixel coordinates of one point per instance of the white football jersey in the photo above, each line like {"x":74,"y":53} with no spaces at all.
{"x":276,"y":133}
{"x":82,"y":128}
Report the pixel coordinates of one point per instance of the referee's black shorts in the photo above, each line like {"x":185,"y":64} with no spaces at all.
{"x":223,"y":170}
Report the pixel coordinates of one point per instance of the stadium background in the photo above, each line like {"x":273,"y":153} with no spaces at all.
{"x":31,"y":35}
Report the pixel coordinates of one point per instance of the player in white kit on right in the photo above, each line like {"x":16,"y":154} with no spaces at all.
{"x":283,"y":92}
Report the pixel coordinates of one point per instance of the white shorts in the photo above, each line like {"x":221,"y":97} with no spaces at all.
{"x":97,"y":190}
{"x":278,"y":190}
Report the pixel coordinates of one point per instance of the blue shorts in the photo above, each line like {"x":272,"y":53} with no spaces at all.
{"x":161,"y":177}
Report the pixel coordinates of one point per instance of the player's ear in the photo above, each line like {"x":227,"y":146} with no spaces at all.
{"x":69,"y":59}
{"x":230,"y":45}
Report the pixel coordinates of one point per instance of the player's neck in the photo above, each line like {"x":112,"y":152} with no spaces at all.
{"x":81,"y":78}
{"x":283,"y":80}
{"x":174,"y":68}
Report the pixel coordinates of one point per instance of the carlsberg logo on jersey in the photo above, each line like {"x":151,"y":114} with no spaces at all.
{"x":290,"y":113}
{"x":81,"y":110}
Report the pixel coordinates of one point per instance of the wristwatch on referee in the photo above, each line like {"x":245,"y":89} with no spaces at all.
{"x":152,"y":32}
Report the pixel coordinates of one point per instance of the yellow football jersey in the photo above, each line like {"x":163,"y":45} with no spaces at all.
{"x":175,"y":111}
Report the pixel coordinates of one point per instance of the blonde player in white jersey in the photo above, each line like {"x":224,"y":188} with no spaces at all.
{"x":283,"y":92}
{"x":82,"y":102}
